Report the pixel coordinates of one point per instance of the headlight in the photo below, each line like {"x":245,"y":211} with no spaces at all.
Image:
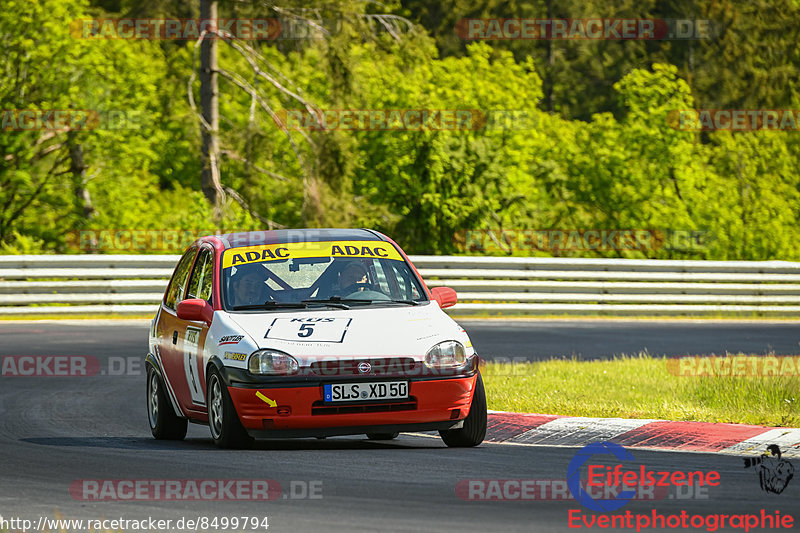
{"x":271,"y":362}
{"x":445,"y":355}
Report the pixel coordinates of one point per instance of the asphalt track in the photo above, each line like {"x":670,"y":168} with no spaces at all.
{"x":529,"y":339}
{"x":54,"y":431}
{"x":601,"y":339}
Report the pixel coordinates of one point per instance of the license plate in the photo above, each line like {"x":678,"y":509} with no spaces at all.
{"x":352,"y":392}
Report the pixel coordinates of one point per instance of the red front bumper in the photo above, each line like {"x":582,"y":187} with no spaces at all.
{"x":300,"y":408}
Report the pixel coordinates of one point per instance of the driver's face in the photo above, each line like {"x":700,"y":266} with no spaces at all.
{"x":248,"y":288}
{"x":351,"y":276}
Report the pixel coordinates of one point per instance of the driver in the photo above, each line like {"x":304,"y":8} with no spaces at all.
{"x":248,"y":287}
{"x":353,"y":278}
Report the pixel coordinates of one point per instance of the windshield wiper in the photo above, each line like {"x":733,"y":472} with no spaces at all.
{"x":341,"y":303}
{"x":271,"y":305}
{"x":409,"y":302}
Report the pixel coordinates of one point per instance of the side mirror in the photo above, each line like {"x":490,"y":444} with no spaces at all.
{"x":446,"y":296}
{"x":196,"y":309}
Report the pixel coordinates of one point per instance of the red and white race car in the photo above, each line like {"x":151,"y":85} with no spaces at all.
{"x":309,"y":333}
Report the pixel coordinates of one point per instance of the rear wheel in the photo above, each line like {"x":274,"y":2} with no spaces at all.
{"x":474,"y":430}
{"x":164,"y":423}
{"x":226,"y":428}
{"x":382,"y":436}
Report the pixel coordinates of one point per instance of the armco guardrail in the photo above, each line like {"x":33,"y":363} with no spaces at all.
{"x":134,"y":284}
{"x":83,"y":284}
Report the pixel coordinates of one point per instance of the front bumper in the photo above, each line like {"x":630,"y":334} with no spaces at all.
{"x":299,"y":410}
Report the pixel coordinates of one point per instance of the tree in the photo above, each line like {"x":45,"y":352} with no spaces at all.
{"x":209,"y":102}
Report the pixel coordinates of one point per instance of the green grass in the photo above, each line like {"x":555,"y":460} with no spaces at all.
{"x":640,"y":387}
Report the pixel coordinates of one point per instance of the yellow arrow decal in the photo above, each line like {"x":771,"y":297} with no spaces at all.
{"x":270,"y":402}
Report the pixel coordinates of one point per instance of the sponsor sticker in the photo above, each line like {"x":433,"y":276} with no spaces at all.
{"x":235,"y":356}
{"x":230,"y":339}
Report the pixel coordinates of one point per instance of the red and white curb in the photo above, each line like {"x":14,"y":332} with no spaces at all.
{"x":578,"y":431}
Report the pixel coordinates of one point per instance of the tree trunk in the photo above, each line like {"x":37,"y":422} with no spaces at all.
{"x":209,"y":102}
{"x":78,"y":170}
{"x":549,"y":75}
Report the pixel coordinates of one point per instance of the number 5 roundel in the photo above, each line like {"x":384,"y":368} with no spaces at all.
{"x":309,"y":329}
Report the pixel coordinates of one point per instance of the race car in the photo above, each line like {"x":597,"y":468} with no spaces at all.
{"x":309,"y":333}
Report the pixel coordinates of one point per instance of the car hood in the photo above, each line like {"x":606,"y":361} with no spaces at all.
{"x":360,"y":332}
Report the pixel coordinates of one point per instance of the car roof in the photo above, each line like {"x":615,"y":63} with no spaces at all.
{"x":282,"y":236}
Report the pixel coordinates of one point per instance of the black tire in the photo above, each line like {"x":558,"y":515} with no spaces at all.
{"x":382,"y":436}
{"x":474,"y":430}
{"x":164,"y":423}
{"x":226,"y":428}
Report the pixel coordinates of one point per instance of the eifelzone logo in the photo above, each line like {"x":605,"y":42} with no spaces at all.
{"x":619,"y":477}
{"x":774,"y":473}
{"x":573,"y":477}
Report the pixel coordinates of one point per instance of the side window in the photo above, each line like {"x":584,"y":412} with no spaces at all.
{"x":380,"y":277}
{"x":178,"y":283}
{"x":202,"y":277}
{"x":408,"y":289}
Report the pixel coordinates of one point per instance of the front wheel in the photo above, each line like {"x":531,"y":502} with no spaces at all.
{"x":226,"y":428}
{"x":474,"y":430}
{"x":164,"y":423}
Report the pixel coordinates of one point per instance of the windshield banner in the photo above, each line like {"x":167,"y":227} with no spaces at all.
{"x":294,"y":250}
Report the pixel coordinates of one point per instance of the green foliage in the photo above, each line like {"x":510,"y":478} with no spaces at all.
{"x":577,"y":133}
{"x":22,"y":244}
{"x":439,"y":181}
{"x":749,"y":62}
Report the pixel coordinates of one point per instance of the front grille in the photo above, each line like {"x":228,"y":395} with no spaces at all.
{"x":382,"y":366}
{"x":321,"y":408}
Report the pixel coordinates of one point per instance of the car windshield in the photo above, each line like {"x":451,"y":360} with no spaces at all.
{"x":335,"y":274}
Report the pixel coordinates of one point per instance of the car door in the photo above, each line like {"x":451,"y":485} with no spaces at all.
{"x":194,"y":363}
{"x":170,"y":331}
